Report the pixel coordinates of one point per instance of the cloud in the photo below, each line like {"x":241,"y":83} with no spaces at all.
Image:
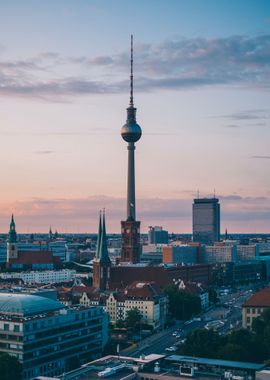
{"x":174,"y":64}
{"x":232,"y":126}
{"x":256,"y":114}
{"x":238,"y":213}
{"x":44,"y":152}
{"x":261,"y":157}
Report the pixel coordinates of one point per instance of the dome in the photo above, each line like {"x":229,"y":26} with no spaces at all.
{"x":26,"y":304}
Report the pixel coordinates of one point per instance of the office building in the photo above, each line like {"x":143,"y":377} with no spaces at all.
{"x":229,"y":273}
{"x":41,"y":277}
{"x":130,"y":228}
{"x":152,"y":253}
{"x":180,"y":254}
{"x":247,"y":252}
{"x":206,"y":220}
{"x":156,"y":235}
{"x":47,"y":337}
{"x":218,"y":254}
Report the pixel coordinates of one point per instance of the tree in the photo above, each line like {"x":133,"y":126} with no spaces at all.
{"x":133,"y":318}
{"x":182,"y":305}
{"x":120,"y":323}
{"x":10,"y":368}
{"x":261,"y":328}
{"x":242,"y":345}
{"x":202,"y":342}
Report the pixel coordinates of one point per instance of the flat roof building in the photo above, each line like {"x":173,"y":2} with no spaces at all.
{"x":206,"y":220}
{"x":47,"y":337}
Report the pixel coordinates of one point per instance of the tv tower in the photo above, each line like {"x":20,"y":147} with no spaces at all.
{"x":131,"y":132}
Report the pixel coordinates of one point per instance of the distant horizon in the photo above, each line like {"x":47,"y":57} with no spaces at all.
{"x":119,"y":233}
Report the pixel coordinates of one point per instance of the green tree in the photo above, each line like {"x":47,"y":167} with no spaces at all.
{"x":231,"y":351}
{"x":182,"y":305}
{"x":202,"y":342}
{"x":261,"y":328}
{"x":10,"y":368}
{"x":133,"y":318}
{"x":120,"y":323}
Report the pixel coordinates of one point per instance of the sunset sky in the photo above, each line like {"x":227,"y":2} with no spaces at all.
{"x":202,"y":92}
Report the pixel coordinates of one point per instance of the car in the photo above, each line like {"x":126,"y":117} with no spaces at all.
{"x":181,"y":341}
{"x":178,"y":336}
{"x":174,"y":333}
{"x":188,"y":322}
{"x":171,"y":349}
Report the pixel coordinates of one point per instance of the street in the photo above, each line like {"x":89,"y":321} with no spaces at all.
{"x":229,"y":311}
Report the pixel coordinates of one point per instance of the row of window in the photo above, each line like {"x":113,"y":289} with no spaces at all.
{"x":254,"y":310}
{"x":7,"y":327}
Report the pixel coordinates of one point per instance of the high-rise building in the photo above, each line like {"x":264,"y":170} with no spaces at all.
{"x":156,"y":235}
{"x":206,"y":220}
{"x":130,"y":228}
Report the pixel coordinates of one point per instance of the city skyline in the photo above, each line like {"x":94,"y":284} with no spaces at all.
{"x":202,"y":93}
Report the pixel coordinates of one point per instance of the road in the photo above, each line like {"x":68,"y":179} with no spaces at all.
{"x":159,"y":342}
{"x":229,"y":311}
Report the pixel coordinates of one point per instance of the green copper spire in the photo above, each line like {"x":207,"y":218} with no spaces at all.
{"x":12,"y":236}
{"x":102,"y":248}
{"x":104,"y":255}
{"x":99,"y":237}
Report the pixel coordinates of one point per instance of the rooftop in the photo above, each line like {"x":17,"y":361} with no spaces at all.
{"x":215,"y":362}
{"x":261,"y":299}
{"x":22,"y":305}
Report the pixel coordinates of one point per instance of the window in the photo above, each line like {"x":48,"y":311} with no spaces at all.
{"x":16,"y":328}
{"x":6,"y":326}
{"x":248,"y":310}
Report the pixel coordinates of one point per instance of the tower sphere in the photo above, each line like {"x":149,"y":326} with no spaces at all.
{"x":131,"y":131}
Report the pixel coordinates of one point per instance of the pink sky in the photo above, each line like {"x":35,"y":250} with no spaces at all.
{"x":202,"y":94}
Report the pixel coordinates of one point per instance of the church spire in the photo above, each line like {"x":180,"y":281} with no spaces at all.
{"x":104,"y":255}
{"x":99,"y":237}
{"x":102,"y":262}
{"x":12,"y":236}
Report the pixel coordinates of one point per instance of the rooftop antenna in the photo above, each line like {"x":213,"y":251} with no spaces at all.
{"x":198,"y":194}
{"x":214,"y":193}
{"x":131,"y":70}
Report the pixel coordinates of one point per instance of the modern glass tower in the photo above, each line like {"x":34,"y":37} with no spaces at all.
{"x":130,"y":228}
{"x":206,"y":220}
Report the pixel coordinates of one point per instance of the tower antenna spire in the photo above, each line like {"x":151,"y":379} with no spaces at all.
{"x":131,"y":71}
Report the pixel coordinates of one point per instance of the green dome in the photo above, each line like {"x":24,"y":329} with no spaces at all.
{"x":26,"y":304}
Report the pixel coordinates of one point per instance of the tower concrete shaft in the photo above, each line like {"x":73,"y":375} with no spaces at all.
{"x":131,"y":206}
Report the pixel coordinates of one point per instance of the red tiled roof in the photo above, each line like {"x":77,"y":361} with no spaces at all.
{"x":80,"y":289}
{"x":260,"y":299}
{"x":122,"y":276}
